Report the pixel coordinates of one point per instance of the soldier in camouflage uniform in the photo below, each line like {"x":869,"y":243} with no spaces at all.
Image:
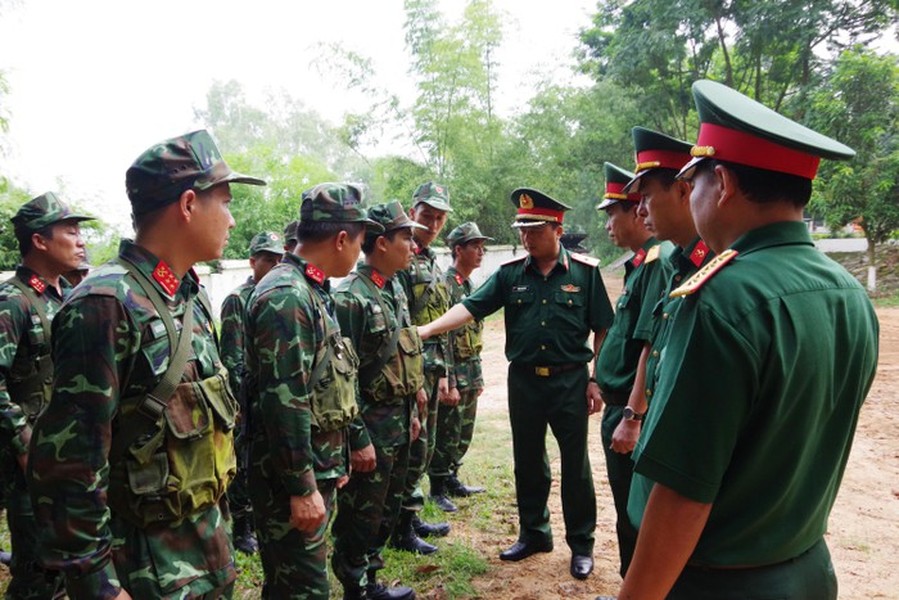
{"x":130,"y":461}
{"x":50,"y":244}
{"x":455,"y":424}
{"x":265,"y":252}
{"x":374,"y":314}
{"x":428,"y":297}
{"x":290,"y":236}
{"x":302,"y":394}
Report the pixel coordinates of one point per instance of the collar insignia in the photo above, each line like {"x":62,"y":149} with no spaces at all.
{"x":459,"y":279}
{"x":315,"y":274}
{"x":378,"y":279}
{"x":38,"y":285}
{"x":700,"y":252}
{"x":639,"y":257}
{"x":166,"y":278}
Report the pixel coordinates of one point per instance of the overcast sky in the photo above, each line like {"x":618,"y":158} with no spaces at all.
{"x":94,"y":82}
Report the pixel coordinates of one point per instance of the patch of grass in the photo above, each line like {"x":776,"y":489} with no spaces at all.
{"x":887,"y":301}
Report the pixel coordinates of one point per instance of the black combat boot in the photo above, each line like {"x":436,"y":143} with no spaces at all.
{"x":456,"y":489}
{"x":354,"y":592}
{"x":244,"y":535}
{"x":425,"y":529}
{"x":405,"y":538}
{"x":438,"y":494}
{"x":379,"y":591}
{"x":5,"y":558}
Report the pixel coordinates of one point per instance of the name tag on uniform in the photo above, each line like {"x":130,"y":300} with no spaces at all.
{"x":520,"y":288}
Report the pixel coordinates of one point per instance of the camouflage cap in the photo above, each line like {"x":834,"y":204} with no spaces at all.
{"x":432,"y":194}
{"x":267,"y":241}
{"x":337,"y":203}
{"x":391,"y":216}
{"x":42,"y":211}
{"x":166,"y":170}
{"x":290,"y":232}
{"x":464,"y":233}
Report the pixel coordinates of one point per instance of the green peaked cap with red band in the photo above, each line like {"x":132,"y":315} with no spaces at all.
{"x":737,"y":129}
{"x":616,"y":179}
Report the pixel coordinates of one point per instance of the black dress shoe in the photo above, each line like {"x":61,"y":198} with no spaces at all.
{"x":581,"y":566}
{"x":413,"y":543}
{"x":521,"y":550}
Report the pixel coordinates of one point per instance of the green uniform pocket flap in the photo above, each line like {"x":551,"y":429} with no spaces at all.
{"x":221,"y":399}
{"x":149,"y":477}
{"x":187,"y":412}
{"x":569,"y":298}
{"x":410,"y":342}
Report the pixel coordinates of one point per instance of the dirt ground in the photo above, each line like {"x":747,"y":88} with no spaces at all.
{"x":864,"y":526}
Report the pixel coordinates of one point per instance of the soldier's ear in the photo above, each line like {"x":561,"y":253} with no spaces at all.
{"x":187,"y":202}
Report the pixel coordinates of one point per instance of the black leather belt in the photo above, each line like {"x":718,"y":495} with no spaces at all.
{"x":549,"y":370}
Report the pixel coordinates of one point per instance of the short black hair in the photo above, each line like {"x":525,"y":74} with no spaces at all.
{"x":763,"y":186}
{"x":318,"y":231}
{"x":23,"y":236}
{"x":368,"y":245}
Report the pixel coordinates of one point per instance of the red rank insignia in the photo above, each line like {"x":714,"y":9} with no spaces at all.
{"x":459,"y":279}
{"x":38,"y":285}
{"x":639,"y":257}
{"x":378,"y":279}
{"x":315,"y":274}
{"x":166,"y":278}
{"x":699,"y":253}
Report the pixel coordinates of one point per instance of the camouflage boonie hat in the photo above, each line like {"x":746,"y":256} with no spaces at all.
{"x":391,"y":216}
{"x":290,"y":232}
{"x":267,"y":241}
{"x":337,"y":203}
{"x":166,"y":170}
{"x":464,"y":233}
{"x":432,"y":194}
{"x":42,"y":211}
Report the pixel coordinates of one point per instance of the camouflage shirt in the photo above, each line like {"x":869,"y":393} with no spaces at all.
{"x":467,"y":370}
{"x":21,"y":341}
{"x":370,"y":328}
{"x":285,"y":330}
{"x":232,"y":336}
{"x":428,"y":297}
{"x":109,"y":345}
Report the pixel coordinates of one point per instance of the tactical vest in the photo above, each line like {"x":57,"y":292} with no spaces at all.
{"x":468,"y":340}
{"x":333,"y":379}
{"x":30,"y":381}
{"x":398,"y":370}
{"x":430,"y":294}
{"x":172,"y":451}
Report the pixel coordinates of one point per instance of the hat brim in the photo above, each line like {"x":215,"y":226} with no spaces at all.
{"x":435,"y":204}
{"x":474,"y":238}
{"x":372,"y":226}
{"x":687,"y":171}
{"x":232,"y":177}
{"x":633,"y":186}
{"x":530,"y":223}
{"x":270,"y":249}
{"x":607,"y":203}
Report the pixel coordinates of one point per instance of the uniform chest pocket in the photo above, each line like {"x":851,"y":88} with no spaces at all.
{"x":569,"y":299}
{"x":623,"y":301}
{"x":377,"y":321}
{"x":521,"y":297}
{"x":155,"y":347}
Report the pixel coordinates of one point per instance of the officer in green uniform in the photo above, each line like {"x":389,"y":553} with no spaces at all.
{"x":455,"y":424}
{"x":552,"y":300}
{"x":50,"y":244}
{"x":737,"y":467}
{"x":374,"y":313}
{"x":428,"y":297}
{"x":265,"y":252}
{"x":130,"y":461}
{"x":301,"y":389}
{"x":617,"y":364}
{"x":665,"y":208}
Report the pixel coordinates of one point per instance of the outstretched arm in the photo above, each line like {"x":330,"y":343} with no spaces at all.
{"x":454,"y":318}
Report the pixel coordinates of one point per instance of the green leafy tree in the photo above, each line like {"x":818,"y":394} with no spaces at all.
{"x":859,"y":105}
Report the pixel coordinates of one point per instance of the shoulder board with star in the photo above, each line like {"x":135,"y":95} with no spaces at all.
{"x":704,"y":274}
{"x":653,"y":253}
{"x":515,"y":259}
{"x":584,"y":259}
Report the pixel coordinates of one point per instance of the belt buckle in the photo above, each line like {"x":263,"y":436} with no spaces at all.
{"x":542,"y":371}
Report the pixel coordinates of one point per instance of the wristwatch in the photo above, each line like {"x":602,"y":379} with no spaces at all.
{"x":630,"y":415}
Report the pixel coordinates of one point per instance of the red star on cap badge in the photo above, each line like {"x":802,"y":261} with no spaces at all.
{"x":38,"y":285}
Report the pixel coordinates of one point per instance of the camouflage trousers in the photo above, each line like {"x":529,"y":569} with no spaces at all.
{"x":455,"y":428}
{"x":238,"y":491}
{"x":367,"y":510}
{"x":29,"y":579}
{"x":295,"y":563}
{"x":422,"y":449}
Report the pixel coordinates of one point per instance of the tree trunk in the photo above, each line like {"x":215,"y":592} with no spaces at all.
{"x":872,"y":267}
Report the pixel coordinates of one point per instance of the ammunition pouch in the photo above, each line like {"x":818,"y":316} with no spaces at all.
{"x":333,"y":384}
{"x":403,"y":373}
{"x":467,"y":341}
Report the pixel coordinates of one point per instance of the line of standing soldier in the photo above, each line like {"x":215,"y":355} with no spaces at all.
{"x":129,"y":463}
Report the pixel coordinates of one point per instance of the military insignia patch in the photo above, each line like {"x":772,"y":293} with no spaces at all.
{"x":459,"y":279}
{"x":653,"y":254}
{"x":38,"y":285}
{"x":526,"y":201}
{"x":570,"y":288}
{"x":377,"y":279}
{"x":704,"y":274}
{"x":700,"y":252}
{"x":639,"y":257}
{"x":315,"y":274}
{"x":166,"y":278}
